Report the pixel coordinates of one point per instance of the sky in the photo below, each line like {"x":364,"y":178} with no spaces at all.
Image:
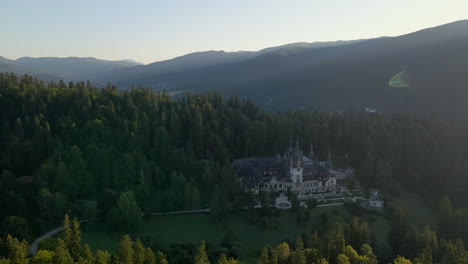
{"x":155,"y":30}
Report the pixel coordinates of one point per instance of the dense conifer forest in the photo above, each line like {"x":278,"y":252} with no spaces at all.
{"x":71,"y":148}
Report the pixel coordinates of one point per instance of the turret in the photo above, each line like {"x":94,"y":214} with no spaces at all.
{"x":290,"y":145}
{"x":311,"y":153}
{"x":329,"y":163}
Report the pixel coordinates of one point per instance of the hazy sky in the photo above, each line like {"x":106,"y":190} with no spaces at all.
{"x":153,"y":30}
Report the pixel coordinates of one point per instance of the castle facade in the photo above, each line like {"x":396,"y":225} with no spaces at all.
{"x":302,"y":174}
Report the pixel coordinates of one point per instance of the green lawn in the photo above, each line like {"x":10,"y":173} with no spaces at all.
{"x":183,"y":229}
{"x":173,"y":229}
{"x":419,"y":211}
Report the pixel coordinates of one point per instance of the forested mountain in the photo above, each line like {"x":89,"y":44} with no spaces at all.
{"x":153,"y":75}
{"x":421,"y":72}
{"x":64,"y":144}
{"x":322,"y":76}
{"x":72,"y":68}
{"x":351,"y":76}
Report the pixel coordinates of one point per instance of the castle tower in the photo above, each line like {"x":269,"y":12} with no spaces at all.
{"x":329,"y":163}
{"x":312,"y":155}
{"x":290,"y":145}
{"x":295,"y":167}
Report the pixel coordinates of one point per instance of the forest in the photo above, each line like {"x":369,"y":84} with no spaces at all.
{"x":71,"y":148}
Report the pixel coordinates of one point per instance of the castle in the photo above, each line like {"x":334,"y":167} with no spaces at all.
{"x":293,"y":171}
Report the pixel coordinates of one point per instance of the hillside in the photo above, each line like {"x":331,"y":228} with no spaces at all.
{"x":72,"y":68}
{"x":352,"y":76}
{"x":156,"y":74}
{"x":421,"y":72}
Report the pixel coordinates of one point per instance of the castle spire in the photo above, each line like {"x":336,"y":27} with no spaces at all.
{"x":290,"y":143}
{"x":329,"y":154}
{"x":311,"y":154}
{"x":297,"y":140}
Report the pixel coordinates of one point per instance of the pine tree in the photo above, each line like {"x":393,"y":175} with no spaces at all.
{"x":336,"y":243}
{"x":67,"y":231}
{"x":264,"y":258}
{"x":125,"y":252}
{"x":139,"y":252}
{"x":284,"y":252}
{"x":17,"y":251}
{"x":425,"y":257}
{"x":87,"y":256}
{"x":74,"y":246}
{"x":298,"y":255}
{"x":225,"y":260}
{"x":43,"y":257}
{"x":400,"y":228}
{"x":367,"y":251}
{"x":201,"y":257}
{"x":315,"y":240}
{"x":342,"y":259}
{"x":129,"y":212}
{"x":102,"y":257}
{"x":62,"y":256}
{"x":161,"y":258}
{"x":150,"y":258}
{"x":401,"y":260}
{"x":273,"y":256}
{"x":218,"y":204}
{"x":322,"y":261}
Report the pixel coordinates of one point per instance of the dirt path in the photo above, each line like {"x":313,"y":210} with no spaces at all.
{"x":35,"y":243}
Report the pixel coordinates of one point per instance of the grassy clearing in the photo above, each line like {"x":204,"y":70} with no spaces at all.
{"x":419,"y":211}
{"x":181,"y":229}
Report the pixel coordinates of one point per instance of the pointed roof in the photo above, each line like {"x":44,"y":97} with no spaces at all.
{"x":311,"y":149}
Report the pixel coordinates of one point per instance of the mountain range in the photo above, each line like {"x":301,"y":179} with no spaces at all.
{"x":420,"y":72}
{"x":70,"y":69}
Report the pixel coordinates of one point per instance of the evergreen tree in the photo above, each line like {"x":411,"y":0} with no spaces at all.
{"x":425,"y":257}
{"x":139,"y":252}
{"x":264,"y":258}
{"x":17,"y":251}
{"x":150,"y":258}
{"x":161,"y":258}
{"x":315,"y":240}
{"x":102,"y":257}
{"x":87,"y":257}
{"x":129,"y":214}
{"x":401,"y":260}
{"x":284,"y":252}
{"x":201,"y":257}
{"x":74,"y":246}
{"x":43,"y":257}
{"x":218,"y":204}
{"x":125,"y":253}
{"x":342,"y":259}
{"x":62,"y":256}
{"x":336,"y":243}
{"x":399,"y":229}
{"x":298,"y":256}
{"x":67,"y":231}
